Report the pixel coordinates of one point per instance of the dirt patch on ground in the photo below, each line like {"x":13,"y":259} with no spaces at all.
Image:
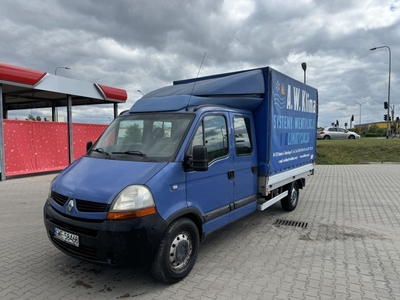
{"x":324,"y":232}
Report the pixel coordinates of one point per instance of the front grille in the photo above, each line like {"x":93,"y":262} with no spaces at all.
{"x":88,"y":206}
{"x":58,"y":198}
{"x":82,"y":251}
{"x":76,"y":229}
{"x":81,"y":205}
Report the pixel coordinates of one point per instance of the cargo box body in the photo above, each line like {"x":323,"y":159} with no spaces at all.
{"x":285,"y":115}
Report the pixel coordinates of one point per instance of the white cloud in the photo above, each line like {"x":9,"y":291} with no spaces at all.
{"x":238,"y":10}
{"x":144,"y":45}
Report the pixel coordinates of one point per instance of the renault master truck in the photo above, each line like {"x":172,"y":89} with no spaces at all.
{"x":184,"y":161}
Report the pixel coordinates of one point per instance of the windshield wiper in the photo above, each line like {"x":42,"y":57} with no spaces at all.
{"x":106,"y":154}
{"x":133,"y":152}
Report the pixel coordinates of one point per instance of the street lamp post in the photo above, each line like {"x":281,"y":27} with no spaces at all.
{"x":140,"y":92}
{"x":360,"y":109}
{"x":388,"y":108}
{"x":55,"y":109}
{"x":304,"y":67}
{"x":66,"y":68}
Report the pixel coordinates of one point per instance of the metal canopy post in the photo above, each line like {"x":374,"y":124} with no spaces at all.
{"x":115,"y":110}
{"x":53,"y":111}
{"x":70,"y":134}
{"x":2,"y":155}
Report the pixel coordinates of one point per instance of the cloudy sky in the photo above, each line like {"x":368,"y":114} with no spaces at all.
{"x":146,"y":44}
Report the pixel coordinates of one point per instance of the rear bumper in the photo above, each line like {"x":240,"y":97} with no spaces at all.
{"x":114,"y":242}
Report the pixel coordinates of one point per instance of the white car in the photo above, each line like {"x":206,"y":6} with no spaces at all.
{"x":336,"y":133}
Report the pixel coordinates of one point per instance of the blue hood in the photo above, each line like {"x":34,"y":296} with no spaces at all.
{"x":100,"y":180}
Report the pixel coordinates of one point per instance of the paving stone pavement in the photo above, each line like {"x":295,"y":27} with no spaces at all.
{"x":350,"y":248}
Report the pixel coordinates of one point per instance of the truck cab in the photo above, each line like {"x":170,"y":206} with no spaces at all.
{"x":184,"y":161}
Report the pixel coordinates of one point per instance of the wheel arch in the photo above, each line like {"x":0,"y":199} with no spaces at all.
{"x":192,"y":214}
{"x":301,"y":183}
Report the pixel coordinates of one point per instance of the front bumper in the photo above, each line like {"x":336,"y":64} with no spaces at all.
{"x":114,"y":242}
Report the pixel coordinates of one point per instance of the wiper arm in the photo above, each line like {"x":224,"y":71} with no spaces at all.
{"x":106,"y":154}
{"x":133,"y":152}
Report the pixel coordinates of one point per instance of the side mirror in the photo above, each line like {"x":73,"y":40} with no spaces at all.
{"x":89,"y":145}
{"x":199,"y":161}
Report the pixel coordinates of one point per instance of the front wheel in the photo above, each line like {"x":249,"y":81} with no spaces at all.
{"x":290,"y":202}
{"x":178,"y":251}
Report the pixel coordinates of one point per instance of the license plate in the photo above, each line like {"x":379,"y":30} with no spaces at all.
{"x":66,"y":237}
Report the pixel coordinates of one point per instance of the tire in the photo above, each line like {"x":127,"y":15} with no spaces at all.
{"x":289,"y":203}
{"x":178,"y":251}
{"x":327,"y":137}
{"x":351,"y":137}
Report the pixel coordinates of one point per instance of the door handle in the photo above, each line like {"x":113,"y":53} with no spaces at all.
{"x":231,"y":174}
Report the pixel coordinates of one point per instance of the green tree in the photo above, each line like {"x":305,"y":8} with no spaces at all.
{"x":375,"y":131}
{"x":30,"y":118}
{"x":373,"y":128}
{"x":133,"y":134}
{"x":33,"y":118}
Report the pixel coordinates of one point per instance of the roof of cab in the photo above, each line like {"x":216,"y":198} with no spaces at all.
{"x":243,"y":90}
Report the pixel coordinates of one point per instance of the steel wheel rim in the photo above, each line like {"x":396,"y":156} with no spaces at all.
{"x":181,"y":245}
{"x":293,"y":197}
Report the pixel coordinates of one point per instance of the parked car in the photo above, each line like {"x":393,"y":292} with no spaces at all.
{"x":336,"y":133}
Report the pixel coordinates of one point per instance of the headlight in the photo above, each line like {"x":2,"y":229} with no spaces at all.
{"x":49,"y":192}
{"x":133,"y":202}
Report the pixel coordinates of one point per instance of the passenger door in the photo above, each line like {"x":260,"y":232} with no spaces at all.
{"x":333,"y":133}
{"x":212,"y":191}
{"x":245,"y":167}
{"x":341,"y":133}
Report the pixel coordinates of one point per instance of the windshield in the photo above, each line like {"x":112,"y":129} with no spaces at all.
{"x":143,"y":137}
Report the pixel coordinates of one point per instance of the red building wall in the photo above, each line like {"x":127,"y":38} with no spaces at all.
{"x":32,"y":147}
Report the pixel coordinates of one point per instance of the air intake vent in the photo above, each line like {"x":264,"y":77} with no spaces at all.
{"x":279,"y":222}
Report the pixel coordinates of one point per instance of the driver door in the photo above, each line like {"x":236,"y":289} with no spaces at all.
{"x":211,"y":191}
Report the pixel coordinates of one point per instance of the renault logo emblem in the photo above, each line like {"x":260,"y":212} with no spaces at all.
{"x":70,"y":205}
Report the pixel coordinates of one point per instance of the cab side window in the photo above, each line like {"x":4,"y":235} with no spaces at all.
{"x":213,"y":134}
{"x":242,"y":136}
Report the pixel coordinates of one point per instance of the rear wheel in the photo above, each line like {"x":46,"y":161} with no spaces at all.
{"x":327,"y":137}
{"x":178,"y":251}
{"x":290,"y":202}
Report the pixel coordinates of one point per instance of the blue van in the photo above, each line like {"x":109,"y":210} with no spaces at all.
{"x":184,"y":161}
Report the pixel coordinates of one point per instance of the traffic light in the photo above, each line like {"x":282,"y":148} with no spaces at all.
{"x":385,"y":105}
{"x":352,"y":118}
{"x":385,"y":117}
